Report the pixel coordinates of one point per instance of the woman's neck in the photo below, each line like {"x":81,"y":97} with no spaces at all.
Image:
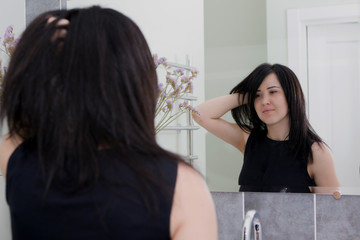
{"x":279,"y":132}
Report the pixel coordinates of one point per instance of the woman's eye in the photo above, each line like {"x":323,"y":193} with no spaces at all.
{"x":273,"y":92}
{"x":257,"y":95}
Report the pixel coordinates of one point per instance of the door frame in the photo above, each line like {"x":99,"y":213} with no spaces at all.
{"x":298,"y":21}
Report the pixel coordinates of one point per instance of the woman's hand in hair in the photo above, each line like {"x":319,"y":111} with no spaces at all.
{"x":60,"y":34}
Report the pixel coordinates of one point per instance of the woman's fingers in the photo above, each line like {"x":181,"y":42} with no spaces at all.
{"x":61,"y":25}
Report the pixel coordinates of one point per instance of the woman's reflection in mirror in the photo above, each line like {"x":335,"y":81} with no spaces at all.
{"x":282,"y":153}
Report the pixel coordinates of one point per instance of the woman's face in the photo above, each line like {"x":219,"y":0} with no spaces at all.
{"x":270,"y":102}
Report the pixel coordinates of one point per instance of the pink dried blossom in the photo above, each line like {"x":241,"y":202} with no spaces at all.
{"x":194,"y":73}
{"x":189,"y":87}
{"x":185,"y":79}
{"x":9,"y":35}
{"x":8,"y":45}
{"x":179,"y":71}
{"x":176,"y":93}
{"x":159,"y":61}
{"x":169,"y":104}
{"x":172,"y":80}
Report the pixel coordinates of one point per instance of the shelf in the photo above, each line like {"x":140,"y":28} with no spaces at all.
{"x":190,"y":98}
{"x":181,"y":128}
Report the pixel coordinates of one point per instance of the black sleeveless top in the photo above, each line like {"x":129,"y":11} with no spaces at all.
{"x":107,"y":211}
{"x":270,"y":166}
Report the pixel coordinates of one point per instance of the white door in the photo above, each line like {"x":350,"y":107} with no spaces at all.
{"x":334,"y":93}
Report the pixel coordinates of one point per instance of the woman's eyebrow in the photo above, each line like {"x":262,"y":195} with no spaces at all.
{"x":272,"y":87}
{"x":268,"y":88}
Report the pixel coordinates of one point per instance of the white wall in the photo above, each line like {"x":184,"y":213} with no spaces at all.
{"x":12,"y":14}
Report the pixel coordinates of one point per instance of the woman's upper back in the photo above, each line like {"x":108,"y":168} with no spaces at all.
{"x":113,"y":208}
{"x":192,"y":214}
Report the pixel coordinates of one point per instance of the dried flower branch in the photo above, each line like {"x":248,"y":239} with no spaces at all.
{"x":7,"y":47}
{"x":178,"y":84}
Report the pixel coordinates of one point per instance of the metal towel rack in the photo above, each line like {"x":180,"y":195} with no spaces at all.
{"x":189,"y":127}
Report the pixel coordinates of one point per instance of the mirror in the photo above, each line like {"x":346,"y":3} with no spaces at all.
{"x":258,"y":32}
{"x":238,"y":36}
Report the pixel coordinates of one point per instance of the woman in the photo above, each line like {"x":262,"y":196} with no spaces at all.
{"x":81,"y":160}
{"x":281,"y":150}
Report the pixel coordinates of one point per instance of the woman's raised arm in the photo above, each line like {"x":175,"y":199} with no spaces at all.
{"x":210,"y":115}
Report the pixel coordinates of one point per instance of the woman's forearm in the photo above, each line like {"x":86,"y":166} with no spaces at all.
{"x":217,"y":107}
{"x":210,"y":115}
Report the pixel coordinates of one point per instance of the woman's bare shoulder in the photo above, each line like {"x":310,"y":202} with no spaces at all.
{"x":7,"y":147}
{"x":322,"y":169}
{"x":186,"y":171}
{"x":193,"y":213}
{"x":321,"y":151}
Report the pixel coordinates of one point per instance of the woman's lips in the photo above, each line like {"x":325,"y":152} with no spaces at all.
{"x":266,"y":111}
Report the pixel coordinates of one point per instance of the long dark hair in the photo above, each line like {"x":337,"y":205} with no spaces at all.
{"x":97,"y":87}
{"x":301,"y":135}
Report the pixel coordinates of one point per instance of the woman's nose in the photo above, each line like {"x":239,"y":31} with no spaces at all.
{"x":265,"y":100}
